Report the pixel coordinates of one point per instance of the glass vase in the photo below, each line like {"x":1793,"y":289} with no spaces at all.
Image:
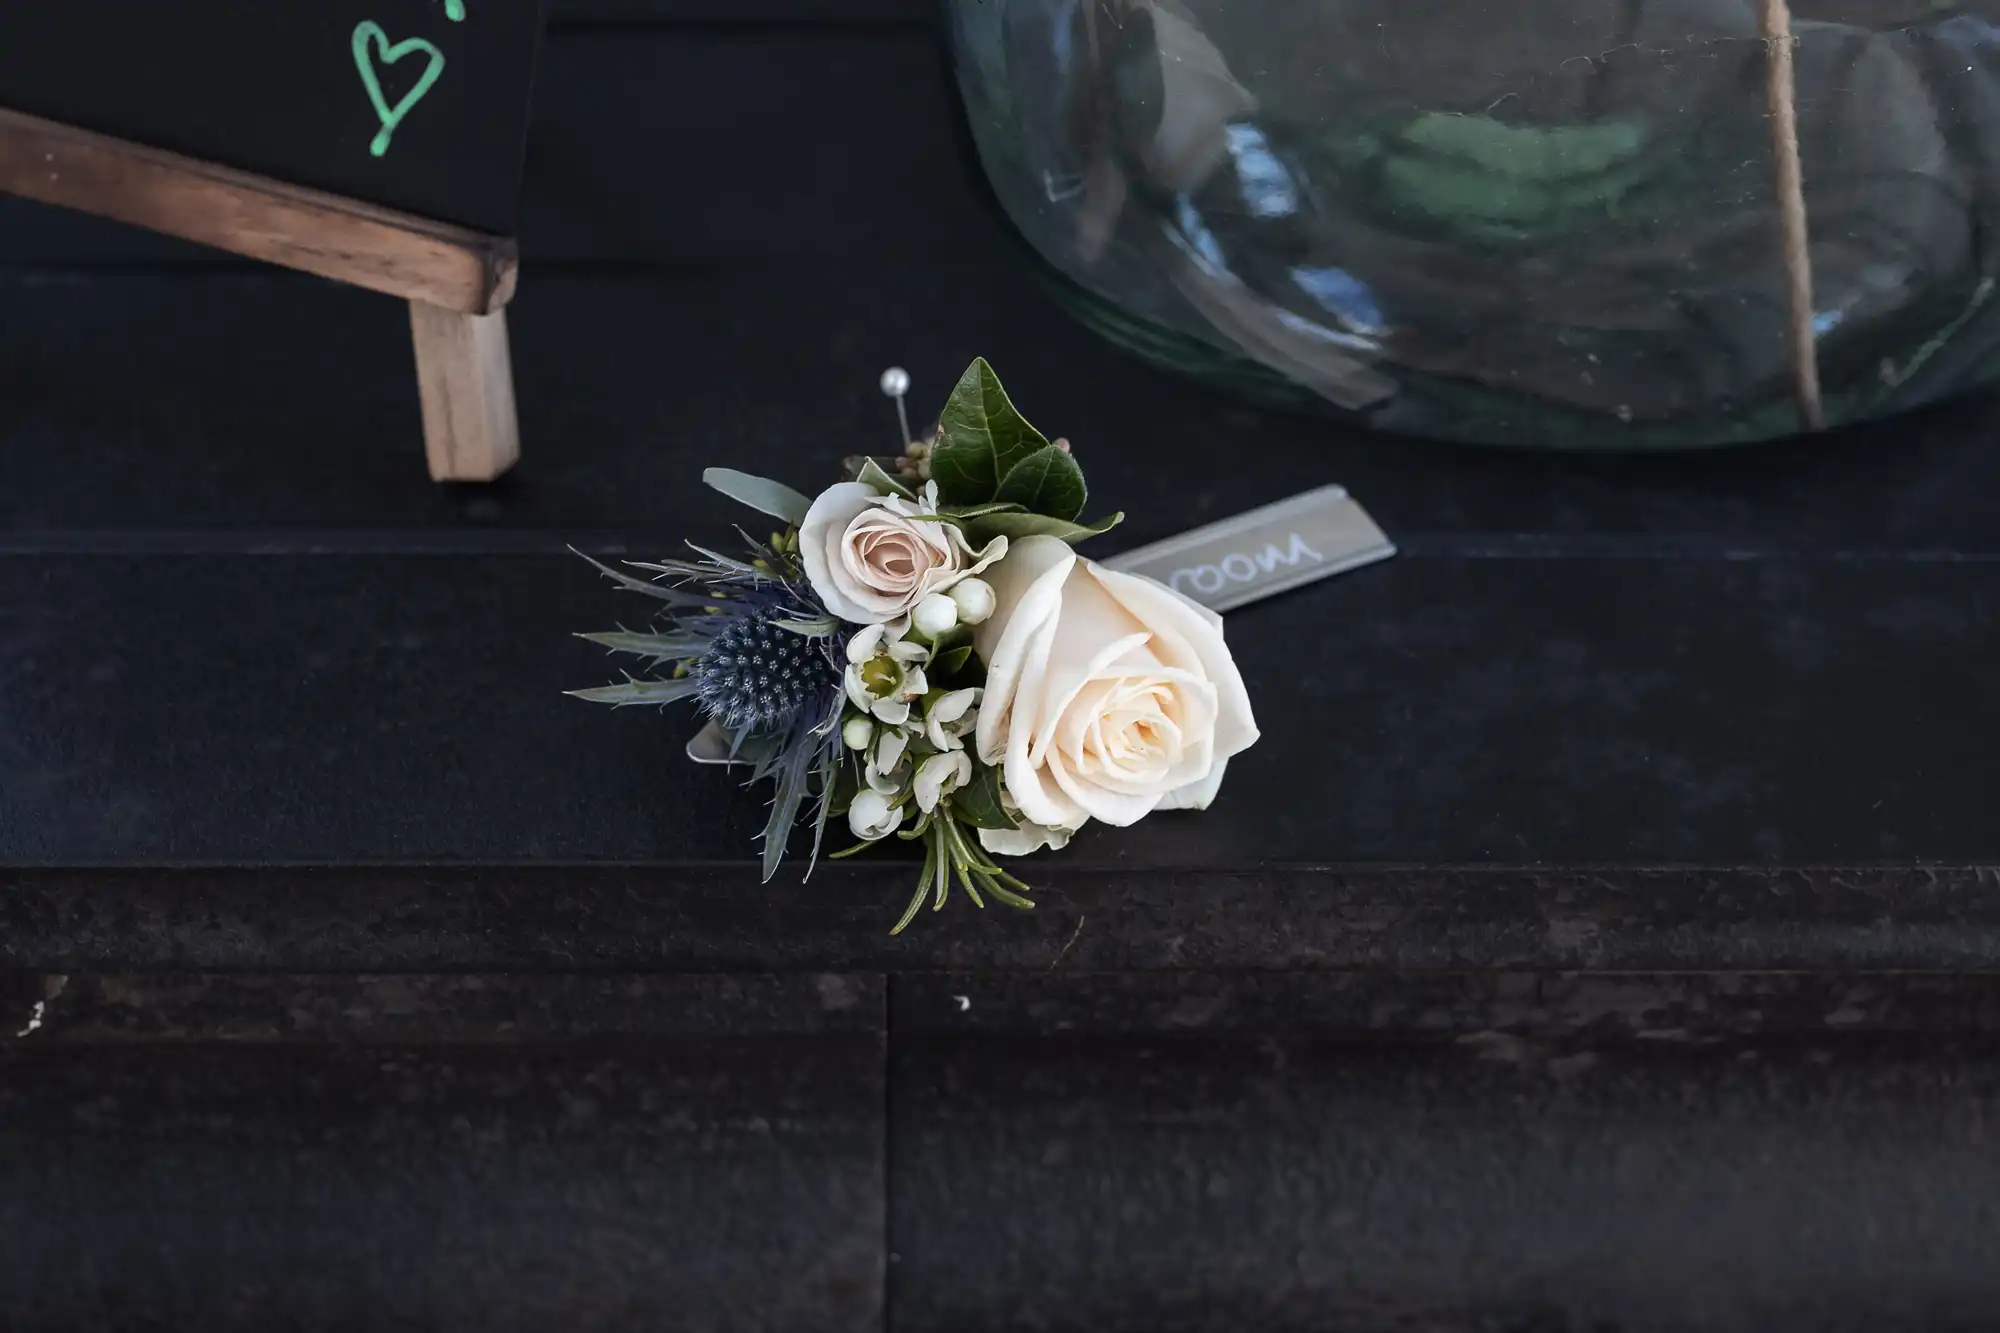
{"x":1573,"y":223}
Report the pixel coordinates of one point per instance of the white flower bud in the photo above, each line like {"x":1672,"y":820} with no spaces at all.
{"x":858,"y":732}
{"x":872,"y":816}
{"x":936,"y":614}
{"x":975,"y":601}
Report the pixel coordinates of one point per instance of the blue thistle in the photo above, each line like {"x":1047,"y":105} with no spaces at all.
{"x":757,"y":676}
{"x":751,"y":645}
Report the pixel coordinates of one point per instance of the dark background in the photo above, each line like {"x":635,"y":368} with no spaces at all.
{"x":273,"y":88}
{"x":1603,"y":935}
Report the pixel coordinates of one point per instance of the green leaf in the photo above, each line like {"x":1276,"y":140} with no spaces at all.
{"x":978,"y":802}
{"x":1046,"y":482}
{"x":1016,"y":526}
{"x":955,"y":637}
{"x":637,"y":692}
{"x":763,"y":495}
{"x":981,"y":438}
{"x":1003,"y":893}
{"x":821,"y":628}
{"x":949,"y":667}
{"x":923,"y":887}
{"x":874,"y":474}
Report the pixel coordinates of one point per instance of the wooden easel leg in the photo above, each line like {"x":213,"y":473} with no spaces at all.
{"x":466,"y":378}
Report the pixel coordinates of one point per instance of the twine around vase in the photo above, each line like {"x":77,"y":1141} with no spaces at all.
{"x":1781,"y":94}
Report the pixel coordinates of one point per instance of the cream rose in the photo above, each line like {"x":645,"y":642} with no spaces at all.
{"x":873,"y":557}
{"x":1108,"y":696}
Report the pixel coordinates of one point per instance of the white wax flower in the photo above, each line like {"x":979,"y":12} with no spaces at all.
{"x":948,"y":719}
{"x":941,"y":775}
{"x":857,"y":732}
{"x":884,"y":760}
{"x":885,"y":672}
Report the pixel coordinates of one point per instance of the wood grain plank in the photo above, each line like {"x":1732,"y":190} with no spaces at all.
{"x":614,"y":1183}
{"x":714,"y":916}
{"x":1194,"y":1182}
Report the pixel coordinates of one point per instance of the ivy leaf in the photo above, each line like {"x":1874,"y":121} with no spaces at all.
{"x":1046,"y":482}
{"x":1014,"y":527}
{"x":978,"y":802}
{"x":765,"y":496}
{"x":981,"y":438}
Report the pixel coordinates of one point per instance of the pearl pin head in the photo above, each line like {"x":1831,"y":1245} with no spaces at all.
{"x":896,"y":383}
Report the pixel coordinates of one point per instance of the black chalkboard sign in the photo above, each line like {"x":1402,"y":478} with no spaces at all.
{"x":417,"y":105}
{"x":375,"y":142}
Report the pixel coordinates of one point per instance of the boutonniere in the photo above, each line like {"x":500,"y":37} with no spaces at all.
{"x":920,"y":650}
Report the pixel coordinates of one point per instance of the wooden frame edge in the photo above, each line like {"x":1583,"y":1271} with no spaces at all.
{"x":454,"y":268}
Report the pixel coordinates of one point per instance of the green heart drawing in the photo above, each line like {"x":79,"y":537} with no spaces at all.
{"x":364,"y":60}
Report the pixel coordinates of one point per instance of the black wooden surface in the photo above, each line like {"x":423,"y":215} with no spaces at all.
{"x":1603,"y":935}
{"x":397,"y":1152}
{"x":278,"y":90}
